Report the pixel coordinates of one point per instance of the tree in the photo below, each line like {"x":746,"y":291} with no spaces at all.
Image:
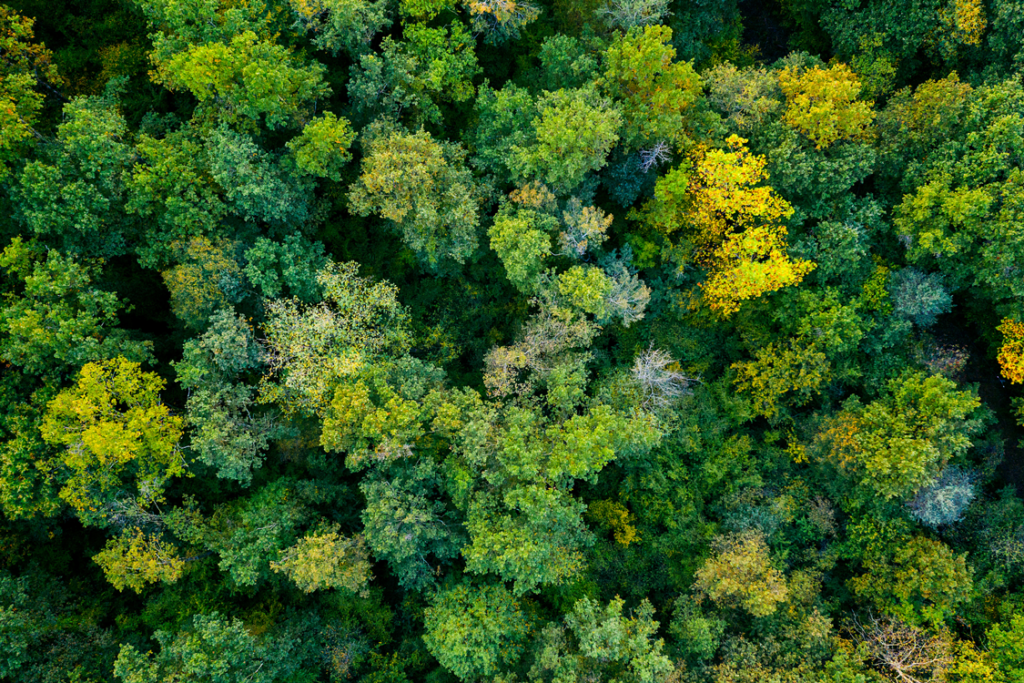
{"x":946,"y":500}
{"x":425,"y":192}
{"x":136,"y":558}
{"x":656,"y":92}
{"x":897,"y":444}
{"x":474,"y":630}
{"x":911,"y":654}
{"x":311,"y":348}
{"x":604,"y":645}
{"x":229,"y":433}
{"x":572,"y":135}
{"x":73,"y":194}
{"x":54,"y":317}
{"x":321,"y":149}
{"x":732,"y":226}
{"x":917,"y":580}
{"x":740,"y":574}
{"x":112,"y":424}
{"x":326,"y":559}
{"x":1011,"y":353}
{"x":26,"y":66}
{"x":430,"y":65}
{"x":822,"y":104}
{"x":214,"y":649}
{"x":501,"y":20}
{"x":245,"y":78}
{"x":277,"y":269}
{"x":206,"y":279}
{"x":337,"y":25}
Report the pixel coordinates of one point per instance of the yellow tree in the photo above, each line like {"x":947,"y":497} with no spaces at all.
{"x":733,"y":225}
{"x":822,"y":104}
{"x":112,"y":424}
{"x":1011,"y":353}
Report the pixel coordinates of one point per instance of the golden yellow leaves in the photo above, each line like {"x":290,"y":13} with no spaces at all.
{"x":739,"y":236}
{"x":822,"y":104}
{"x":1011,"y":353}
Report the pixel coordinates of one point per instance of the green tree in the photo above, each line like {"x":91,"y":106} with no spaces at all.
{"x":54,"y":317}
{"x":474,"y":630}
{"x":213,"y":649}
{"x":245,"y":78}
{"x":899,"y":443}
{"x":572,"y":135}
{"x":604,"y":645}
{"x":423,"y":189}
{"x":136,"y":558}
{"x":26,"y":65}
{"x":229,"y":431}
{"x":657,"y":93}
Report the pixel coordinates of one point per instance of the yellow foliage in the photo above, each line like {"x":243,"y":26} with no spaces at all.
{"x":777,"y":371}
{"x":615,"y":517}
{"x":875,"y":294}
{"x":749,"y":265}
{"x":136,"y":559}
{"x":965,"y":21}
{"x":822,"y":104}
{"x":735,"y":225}
{"x":326,"y":559}
{"x":1011,"y":353}
{"x":725,"y":196}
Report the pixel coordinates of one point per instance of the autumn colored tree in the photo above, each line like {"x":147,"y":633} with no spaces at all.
{"x":112,"y":424}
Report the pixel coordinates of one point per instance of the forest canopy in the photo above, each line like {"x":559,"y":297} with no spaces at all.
{"x":511,"y":341}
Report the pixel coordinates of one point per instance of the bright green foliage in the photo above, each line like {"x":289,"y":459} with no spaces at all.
{"x":474,"y":630}
{"x":206,"y":279}
{"x":521,"y":248}
{"x":604,"y":645}
{"x":290,"y":267}
{"x":740,"y":574}
{"x":53,"y":317}
{"x":112,"y":424}
{"x":920,"y":579}
{"x":337,"y":25}
{"x":656,"y":92}
{"x":585,"y":289}
{"x":310,"y":349}
{"x":1006,"y":643}
{"x":73,"y":195}
{"x":822,"y":104}
{"x":431,"y":65}
{"x":25,"y":64}
{"x":572,"y":135}
{"x":321,"y":149}
{"x":423,"y":188}
{"x":136,"y":558}
{"x":326,"y":559}
{"x":214,"y":649}
{"x":899,"y":443}
{"x":245,"y":78}
{"x":228,"y":431}
{"x":171,"y":186}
